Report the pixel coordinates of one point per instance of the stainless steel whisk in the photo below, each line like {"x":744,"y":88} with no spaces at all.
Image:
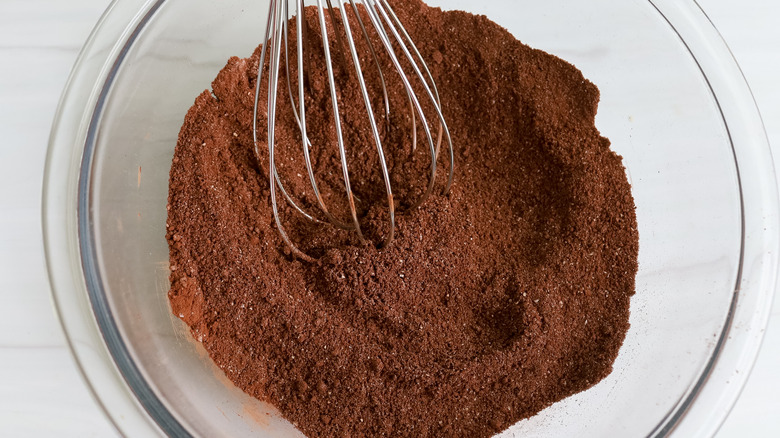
{"x":394,"y":39}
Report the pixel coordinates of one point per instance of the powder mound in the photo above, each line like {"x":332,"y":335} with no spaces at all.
{"x":494,"y":301}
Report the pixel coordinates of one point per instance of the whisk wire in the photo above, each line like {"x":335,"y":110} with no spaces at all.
{"x":260,"y":70}
{"x":384,"y":7}
{"x":382,"y":18}
{"x":372,"y":121}
{"x":385,"y":38}
{"x":300,"y":113}
{"x":337,"y":122}
{"x":363,"y":30}
{"x":403,"y":32}
{"x":276,"y":43}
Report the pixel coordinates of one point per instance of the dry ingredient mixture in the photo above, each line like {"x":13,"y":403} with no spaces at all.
{"x":493,"y":302}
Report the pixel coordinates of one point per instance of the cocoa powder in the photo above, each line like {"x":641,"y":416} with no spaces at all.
{"x":494,"y":301}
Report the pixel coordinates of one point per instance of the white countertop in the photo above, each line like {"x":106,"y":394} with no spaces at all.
{"x":41,"y":393}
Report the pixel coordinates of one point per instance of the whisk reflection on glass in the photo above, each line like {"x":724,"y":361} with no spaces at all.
{"x":405,"y":60}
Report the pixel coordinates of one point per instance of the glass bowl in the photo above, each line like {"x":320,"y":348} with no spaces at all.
{"x":673,"y":103}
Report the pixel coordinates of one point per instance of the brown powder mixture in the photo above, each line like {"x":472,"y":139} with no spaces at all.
{"x":494,"y":301}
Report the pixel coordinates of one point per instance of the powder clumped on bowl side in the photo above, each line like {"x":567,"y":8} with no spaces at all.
{"x":506,"y":295}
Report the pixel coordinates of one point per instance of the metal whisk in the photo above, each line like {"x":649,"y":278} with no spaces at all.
{"x":398,"y":45}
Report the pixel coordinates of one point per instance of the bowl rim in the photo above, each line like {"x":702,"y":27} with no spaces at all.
{"x":132,"y":407}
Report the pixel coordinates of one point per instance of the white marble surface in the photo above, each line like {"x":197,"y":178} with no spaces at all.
{"x":41,"y":393}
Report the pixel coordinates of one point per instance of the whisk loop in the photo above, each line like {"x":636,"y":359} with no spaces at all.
{"x":398,"y":45}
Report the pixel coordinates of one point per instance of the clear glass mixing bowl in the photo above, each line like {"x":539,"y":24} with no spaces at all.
{"x":673,"y":103}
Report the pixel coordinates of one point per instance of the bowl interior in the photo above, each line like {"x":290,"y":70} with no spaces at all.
{"x":656,"y":108}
